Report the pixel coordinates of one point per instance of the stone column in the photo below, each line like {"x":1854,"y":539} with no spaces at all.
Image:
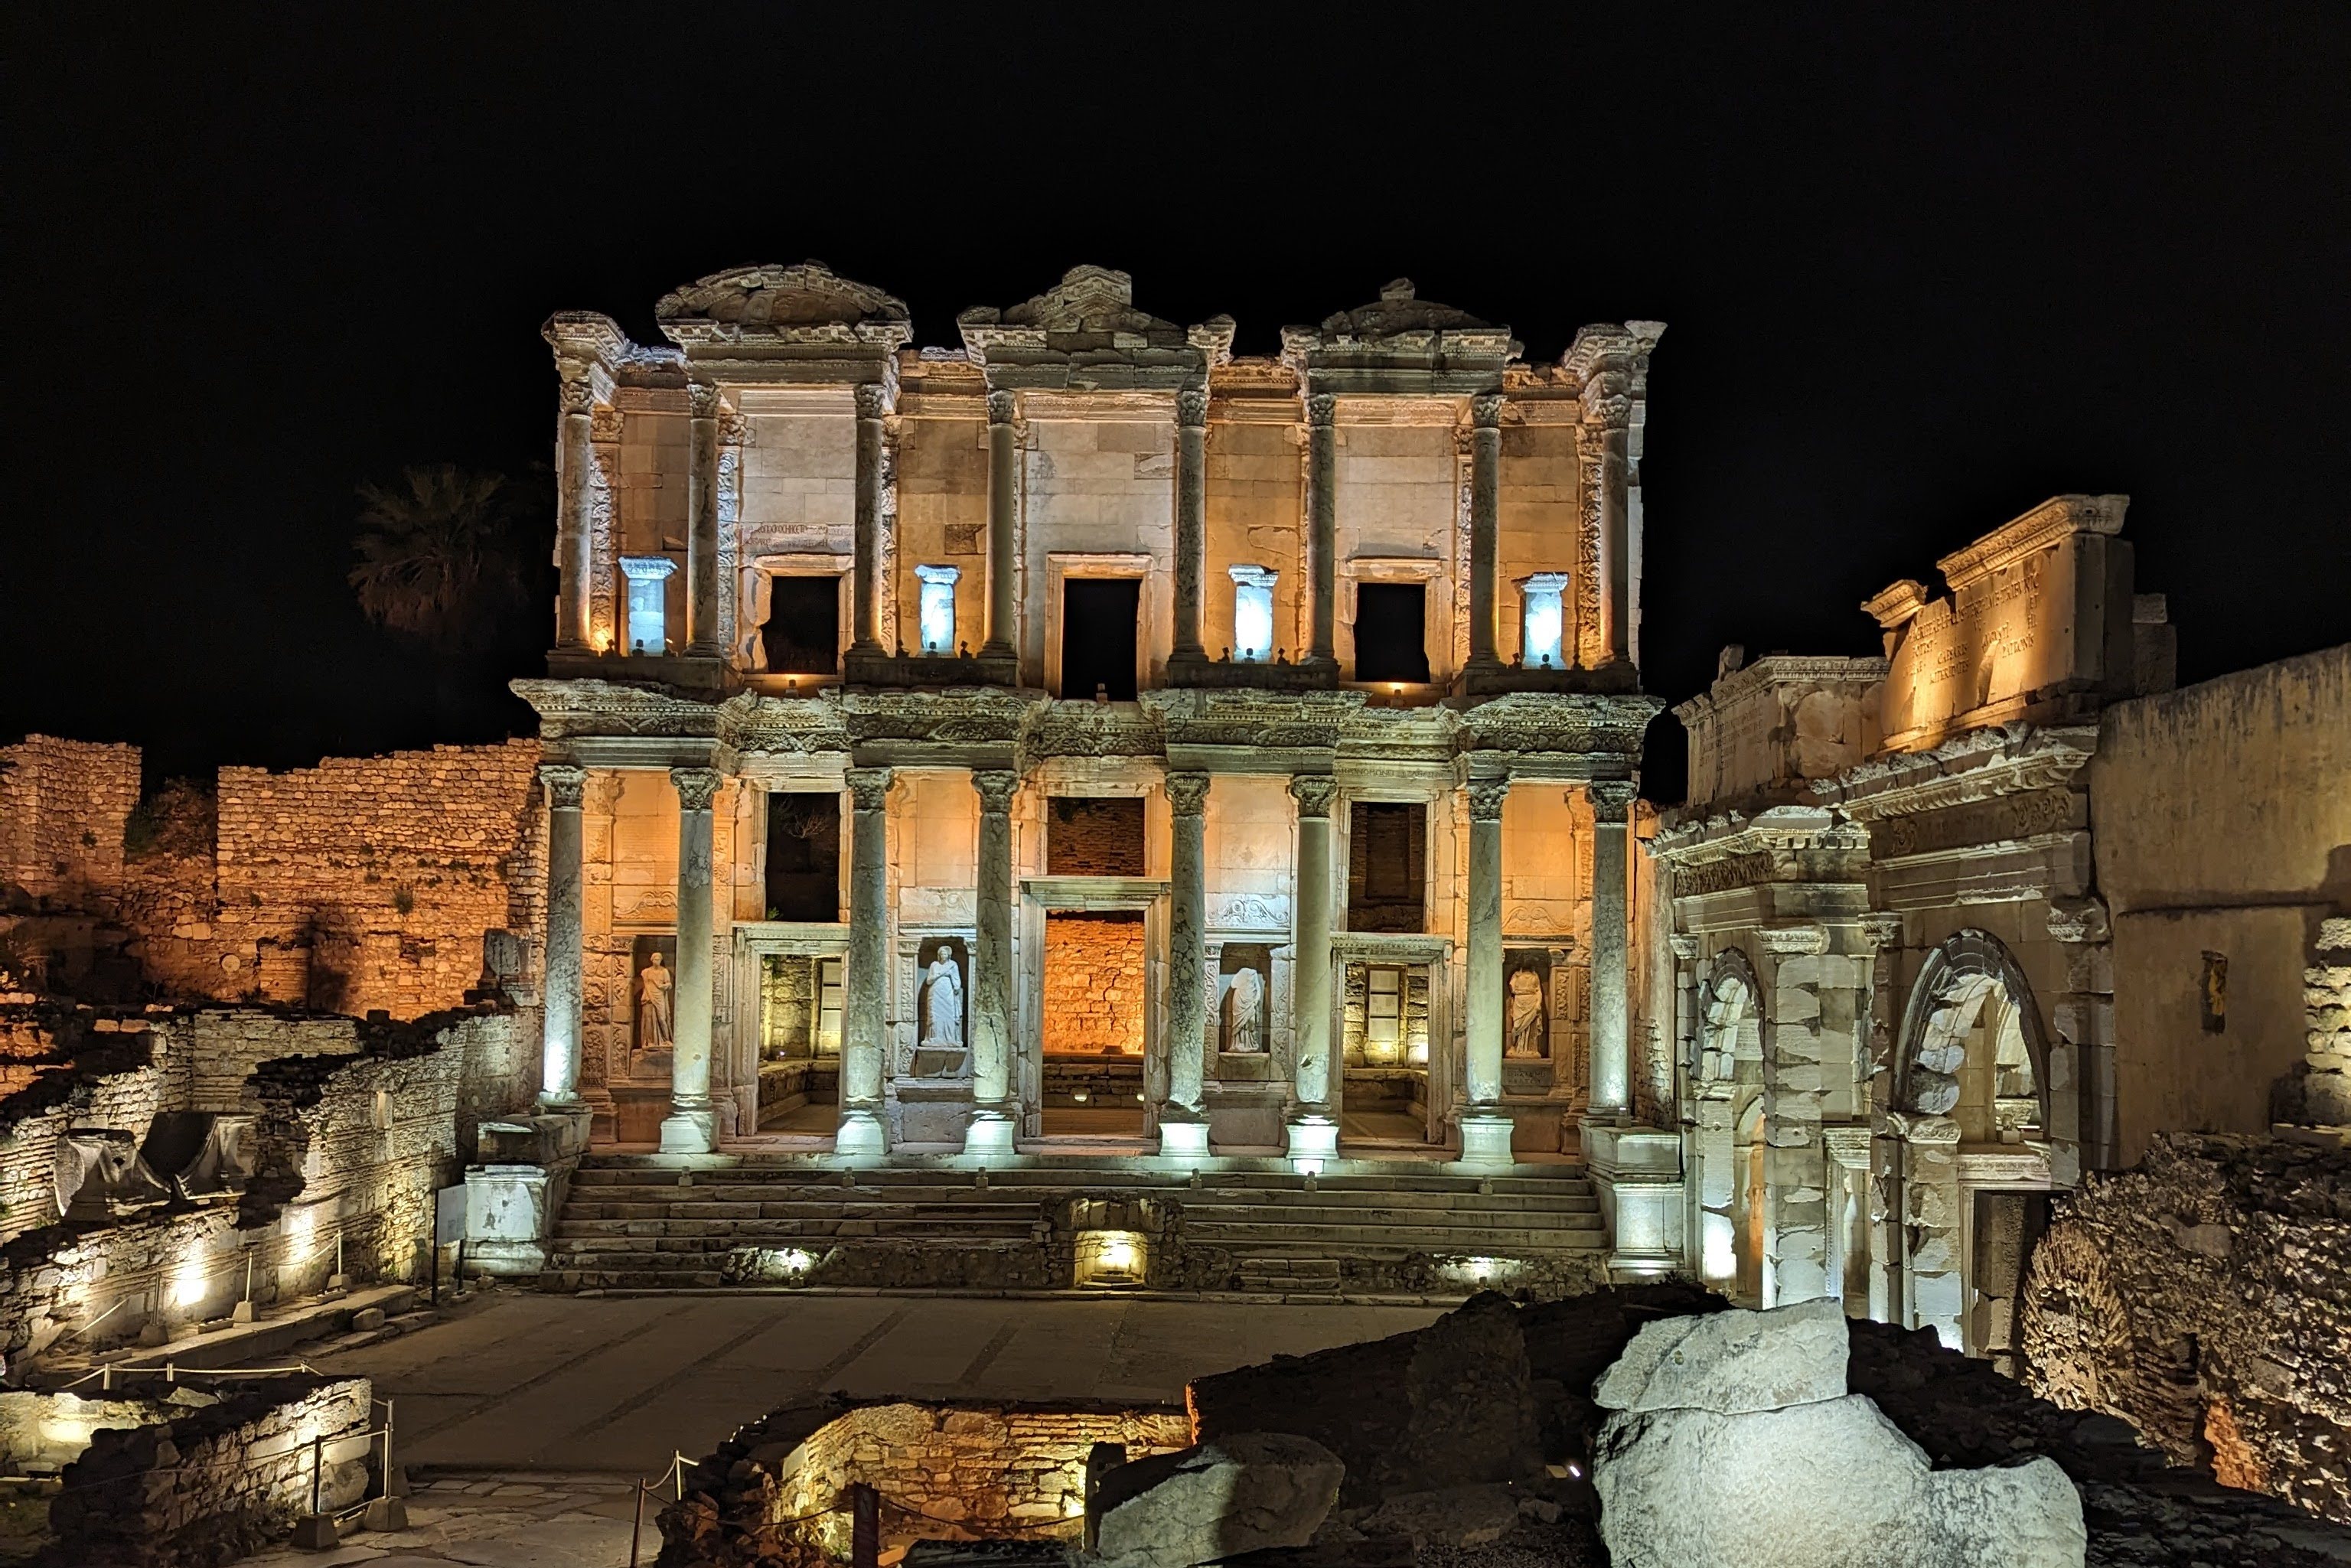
{"x":1322,"y":527}
{"x":1183,"y":1122}
{"x":702,"y":523}
{"x":1485,"y":1127}
{"x":1614,"y":470}
{"x":866,"y":587}
{"x":994,"y":1116}
{"x":1612,"y":1097}
{"x":1485,"y":492}
{"x":1003,"y":472}
{"x":1313,"y":1136}
{"x":575,"y":508}
{"x":691,"y":1128}
{"x":1191,"y":519}
{"x":559,"y":1081}
{"x":860,"y":1132}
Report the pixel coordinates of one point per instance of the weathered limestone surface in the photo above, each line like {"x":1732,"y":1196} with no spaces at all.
{"x":63,"y":808}
{"x":1705,"y":1463}
{"x":1240,"y":1493}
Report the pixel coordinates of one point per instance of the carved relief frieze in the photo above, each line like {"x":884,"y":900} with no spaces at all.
{"x":1724,"y":876}
{"x":1090,"y":729}
{"x":2007,"y":817}
{"x":1541,"y":722}
{"x":571,"y":709}
{"x":791,"y":726}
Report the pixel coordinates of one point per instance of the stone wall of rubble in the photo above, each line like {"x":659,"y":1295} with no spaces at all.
{"x":220,"y":1482}
{"x":959,"y":1472}
{"x":63,"y":806}
{"x":81,"y":1070}
{"x":2206,"y":1297}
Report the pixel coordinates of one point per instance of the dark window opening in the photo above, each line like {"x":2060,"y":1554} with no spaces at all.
{"x":1100,"y":618}
{"x":801,"y":634}
{"x":1387,"y":866}
{"x":1391,"y":631}
{"x":1088,"y":837}
{"x":804,"y":857}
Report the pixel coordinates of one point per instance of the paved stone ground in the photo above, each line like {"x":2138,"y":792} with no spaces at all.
{"x":524,"y":1418}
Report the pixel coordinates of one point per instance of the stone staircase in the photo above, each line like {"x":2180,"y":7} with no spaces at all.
{"x":1250,"y":1228}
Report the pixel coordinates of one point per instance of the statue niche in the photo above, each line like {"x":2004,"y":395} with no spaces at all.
{"x":652,"y":993}
{"x":942,"y":1011}
{"x":1526,"y":1012}
{"x":1243,"y":1015}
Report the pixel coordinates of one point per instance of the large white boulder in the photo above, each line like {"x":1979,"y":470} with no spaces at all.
{"x":1730,"y":1362}
{"x":1241,"y":1493}
{"x":1829,"y":1484}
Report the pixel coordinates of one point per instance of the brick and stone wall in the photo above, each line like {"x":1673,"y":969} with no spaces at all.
{"x":63,"y":805}
{"x":220,"y":1482}
{"x":945,"y":1472}
{"x":1093,"y":983}
{"x":2206,"y":1297}
{"x":79,"y":1069}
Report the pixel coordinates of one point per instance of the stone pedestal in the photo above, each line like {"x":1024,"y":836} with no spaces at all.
{"x":514,"y":1197}
{"x":692,"y":1126}
{"x":1486,"y":1139}
{"x":990,"y":1133}
{"x":1314,"y":1136}
{"x":1636,"y":1173}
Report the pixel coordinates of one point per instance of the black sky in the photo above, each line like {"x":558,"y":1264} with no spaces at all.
{"x":1921,"y":268}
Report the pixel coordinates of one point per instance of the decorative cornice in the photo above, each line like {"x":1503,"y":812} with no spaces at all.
{"x":2058,"y":518}
{"x":571,"y":709}
{"x":1975,"y":766}
{"x":1522,"y":722}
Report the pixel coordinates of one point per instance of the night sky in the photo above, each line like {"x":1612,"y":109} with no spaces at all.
{"x":1919,"y":272}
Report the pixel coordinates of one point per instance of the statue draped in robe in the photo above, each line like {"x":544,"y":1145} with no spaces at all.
{"x":1526,"y":1017}
{"x":1244,"y":1012}
{"x":655,"y":989}
{"x":943,"y":999}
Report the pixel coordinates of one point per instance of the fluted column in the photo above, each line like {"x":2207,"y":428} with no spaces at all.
{"x":1191,"y":519}
{"x":1611,"y":1097}
{"x":1183,"y":1124}
{"x":1485,"y":1127}
{"x":1485,"y":491}
{"x":702,"y":522}
{"x":866,"y":588}
{"x":1312,"y":1134}
{"x":861,"y":1131}
{"x":559,"y":1081}
{"x":691,"y":1128}
{"x":575,"y":503}
{"x":1322,"y":526}
{"x":1003,"y":470}
{"x":994,"y":1116}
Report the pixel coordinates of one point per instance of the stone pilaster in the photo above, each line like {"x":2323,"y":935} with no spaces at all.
{"x":558,"y":1082}
{"x":1485,"y":1129}
{"x":1312,"y":1134}
{"x":692,"y":1127}
{"x":1612,"y":1079}
{"x":2081,"y":1122}
{"x":1795,"y":1161}
{"x":994,"y":1116}
{"x":867,"y":588}
{"x":1606,"y":437}
{"x":1003,"y":522}
{"x":575,"y":505}
{"x":702,"y":525}
{"x":1322,"y":527}
{"x":1191,"y":519}
{"x":1883,"y":930}
{"x":1183,"y":1124}
{"x":1485,"y":492}
{"x":860,"y":1132}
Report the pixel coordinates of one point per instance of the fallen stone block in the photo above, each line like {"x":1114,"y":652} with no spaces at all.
{"x":1244,"y":1492}
{"x":1731,"y":1362}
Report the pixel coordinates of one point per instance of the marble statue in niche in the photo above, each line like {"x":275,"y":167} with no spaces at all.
{"x":1244,"y":1013}
{"x":943,"y":999}
{"x":1527,"y":1038}
{"x":653,"y":988}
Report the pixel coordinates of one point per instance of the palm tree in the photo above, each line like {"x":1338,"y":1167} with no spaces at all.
{"x":439,"y":557}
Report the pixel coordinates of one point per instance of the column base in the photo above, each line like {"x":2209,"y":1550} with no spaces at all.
{"x":686,"y":1132}
{"x":1181,"y":1138}
{"x":989,"y":1134}
{"x":1486,"y":1140}
{"x":861,"y":1135}
{"x":1313,"y":1138}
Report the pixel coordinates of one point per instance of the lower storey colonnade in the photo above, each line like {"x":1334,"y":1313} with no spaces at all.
{"x":1138,"y":958}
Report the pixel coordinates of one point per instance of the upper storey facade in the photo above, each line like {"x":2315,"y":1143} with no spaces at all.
{"x":1086,"y":500}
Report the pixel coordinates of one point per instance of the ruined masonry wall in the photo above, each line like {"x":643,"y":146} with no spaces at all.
{"x":63,"y":806}
{"x":2206,"y":1297}
{"x":1093,"y":985}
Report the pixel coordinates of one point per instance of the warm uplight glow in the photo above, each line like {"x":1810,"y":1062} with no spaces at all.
{"x":188,"y":1282}
{"x":1111,"y":1258}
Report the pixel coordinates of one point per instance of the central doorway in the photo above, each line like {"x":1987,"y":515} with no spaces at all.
{"x":1093,"y":1024}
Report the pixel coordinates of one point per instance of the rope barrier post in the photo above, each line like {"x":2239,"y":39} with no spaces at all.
{"x":864,"y":1526}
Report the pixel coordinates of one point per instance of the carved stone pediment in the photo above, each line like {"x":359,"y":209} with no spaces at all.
{"x":574,"y":709}
{"x":808,"y":302}
{"x":1400,"y":314}
{"x":1090,"y":302}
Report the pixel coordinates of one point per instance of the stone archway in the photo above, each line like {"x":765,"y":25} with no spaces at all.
{"x":1973,"y":1070}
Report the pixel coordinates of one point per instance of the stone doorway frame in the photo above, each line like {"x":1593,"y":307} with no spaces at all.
{"x":1407,"y":949}
{"x":1044,"y":896}
{"x":755,"y":941}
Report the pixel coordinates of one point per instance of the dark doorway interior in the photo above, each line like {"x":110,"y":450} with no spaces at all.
{"x":1391,"y":631}
{"x":804,"y":857}
{"x":1100,"y":618}
{"x":1387,"y":866}
{"x":803,"y":633}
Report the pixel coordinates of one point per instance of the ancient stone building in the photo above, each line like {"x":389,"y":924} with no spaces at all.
{"x":1892,"y":972}
{"x":1082,"y":737}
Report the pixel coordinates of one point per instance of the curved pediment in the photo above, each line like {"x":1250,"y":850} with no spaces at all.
{"x":1399,"y":310}
{"x":808,"y":300}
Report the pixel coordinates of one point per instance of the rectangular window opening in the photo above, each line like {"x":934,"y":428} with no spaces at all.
{"x":1387,"y":866}
{"x":803,"y":874}
{"x":1392,"y":633}
{"x":801,"y":635}
{"x":1101,"y":618}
